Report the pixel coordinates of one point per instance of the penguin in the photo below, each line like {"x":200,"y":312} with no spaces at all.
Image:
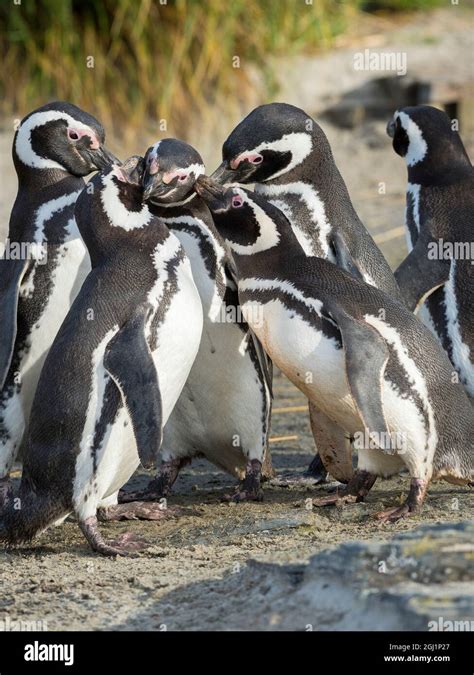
{"x":379,"y":373}
{"x":114,"y":371}
{"x":223,"y":412}
{"x":286,"y":154}
{"x":437,"y":277}
{"x":53,"y":148}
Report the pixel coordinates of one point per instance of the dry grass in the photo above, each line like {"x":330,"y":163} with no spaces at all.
{"x":154,"y":61}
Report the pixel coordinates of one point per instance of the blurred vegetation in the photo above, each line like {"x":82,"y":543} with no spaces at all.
{"x":154,"y":59}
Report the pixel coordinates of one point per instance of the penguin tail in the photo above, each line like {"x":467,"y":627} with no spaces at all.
{"x":24,"y":517}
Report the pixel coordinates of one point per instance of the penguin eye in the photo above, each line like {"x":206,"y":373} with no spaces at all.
{"x":182,"y":177}
{"x":237,"y":202}
{"x":258,"y":159}
{"x":72,"y":135}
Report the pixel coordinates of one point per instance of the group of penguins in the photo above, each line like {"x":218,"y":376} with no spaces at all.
{"x":143,"y":326}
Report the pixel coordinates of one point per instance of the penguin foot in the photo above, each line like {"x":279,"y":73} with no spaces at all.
{"x":138,"y":511}
{"x":159,"y":487}
{"x":125,"y":544}
{"x":249,"y":489}
{"x":340,"y":497}
{"x":413,"y":502}
{"x":393,"y":514}
{"x":355,"y":491}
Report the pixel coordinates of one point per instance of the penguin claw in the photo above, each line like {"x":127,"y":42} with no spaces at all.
{"x":394,"y":514}
{"x":336,"y":499}
{"x":138,"y":511}
{"x":126,"y":544}
{"x":249,"y":489}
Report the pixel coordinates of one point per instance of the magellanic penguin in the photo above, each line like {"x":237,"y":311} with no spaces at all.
{"x":287,"y":155}
{"x":45,"y":260}
{"x":379,"y":373}
{"x":224,"y":409}
{"x":439,"y":270}
{"x":115,"y":369}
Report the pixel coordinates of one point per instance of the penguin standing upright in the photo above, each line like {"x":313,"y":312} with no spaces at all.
{"x":439,"y":269}
{"x":53,"y":147}
{"x":287,"y":155}
{"x":114,"y":371}
{"x":224,"y":409}
{"x":381,"y":375}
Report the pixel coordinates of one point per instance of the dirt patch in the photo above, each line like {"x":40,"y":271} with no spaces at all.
{"x":60,"y":583}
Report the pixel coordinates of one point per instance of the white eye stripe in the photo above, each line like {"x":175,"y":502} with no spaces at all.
{"x":118,"y":214}
{"x":417,"y":146}
{"x":299,"y":144}
{"x":23,"y":147}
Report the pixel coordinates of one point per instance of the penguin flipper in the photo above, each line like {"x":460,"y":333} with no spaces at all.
{"x":129,"y":362}
{"x":264,"y":361}
{"x":418,"y":275}
{"x":344,"y":257}
{"x":11,"y":274}
{"x":366,"y":357}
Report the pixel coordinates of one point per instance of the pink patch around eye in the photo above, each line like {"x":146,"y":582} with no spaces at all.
{"x":237,"y":201}
{"x":76,"y":134}
{"x":252,"y":157}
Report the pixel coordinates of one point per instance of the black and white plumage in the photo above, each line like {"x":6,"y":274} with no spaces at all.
{"x":224,"y":409}
{"x":53,"y":148}
{"x":287,"y":155}
{"x":358,"y":354}
{"x":115,"y":369}
{"x":437,"y":277}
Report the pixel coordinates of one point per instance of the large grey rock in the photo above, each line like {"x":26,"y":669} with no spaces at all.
{"x":404,"y":584}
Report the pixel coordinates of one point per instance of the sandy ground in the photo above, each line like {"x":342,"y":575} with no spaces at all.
{"x":60,"y":583}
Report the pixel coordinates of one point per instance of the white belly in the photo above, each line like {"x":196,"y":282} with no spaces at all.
{"x":117,"y":458}
{"x":67,"y":279}
{"x":312,"y":362}
{"x":219,"y":413}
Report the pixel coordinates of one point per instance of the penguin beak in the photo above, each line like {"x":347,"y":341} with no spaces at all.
{"x":391,"y":128}
{"x":222,"y":175}
{"x":153,"y":186}
{"x":211,"y":192}
{"x":101,"y":158}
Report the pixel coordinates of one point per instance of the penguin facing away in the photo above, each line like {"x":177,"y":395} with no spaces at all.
{"x":114,"y":371}
{"x":287,"y":155}
{"x":53,"y":148}
{"x":379,"y":372}
{"x":223,"y":411}
{"x":437,"y":277}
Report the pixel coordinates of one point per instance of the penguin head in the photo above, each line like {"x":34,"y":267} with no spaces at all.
{"x":171,"y":169}
{"x":270,"y":142}
{"x":424,"y":136}
{"x":114,"y":196}
{"x":61,"y":136}
{"x":245,"y":220}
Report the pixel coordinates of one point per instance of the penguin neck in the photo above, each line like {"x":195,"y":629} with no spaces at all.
{"x":447,"y":169}
{"x":312,"y":169}
{"x":33,"y":180}
{"x":270,"y":259}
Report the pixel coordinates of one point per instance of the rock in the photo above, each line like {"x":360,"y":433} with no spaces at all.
{"x":418,"y":580}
